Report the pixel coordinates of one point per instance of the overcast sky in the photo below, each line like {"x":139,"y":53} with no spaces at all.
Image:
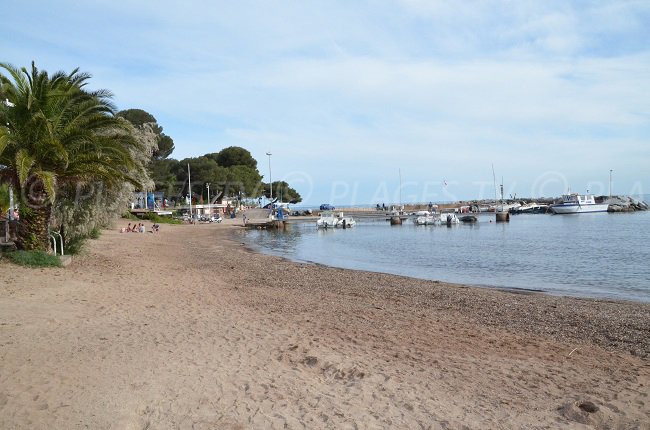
{"x":346,"y":95}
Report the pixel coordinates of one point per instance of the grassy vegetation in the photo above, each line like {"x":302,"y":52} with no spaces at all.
{"x":74,"y":246}
{"x":129,"y":216}
{"x":95,"y":233}
{"x":153,"y":217}
{"x":33,"y":258}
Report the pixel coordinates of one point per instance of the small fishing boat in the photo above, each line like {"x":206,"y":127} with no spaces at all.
{"x":450,"y":219}
{"x":530,"y":208}
{"x":327,"y":219}
{"x":345,"y":221}
{"x":428,"y":219}
{"x":575,"y":203}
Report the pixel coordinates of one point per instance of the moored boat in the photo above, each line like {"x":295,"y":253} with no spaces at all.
{"x":530,"y":208}
{"x":575,"y":203}
{"x":450,"y":219}
{"x":345,"y":221}
{"x":326,"y":219}
{"x":429,"y":219}
{"x":329,"y":219}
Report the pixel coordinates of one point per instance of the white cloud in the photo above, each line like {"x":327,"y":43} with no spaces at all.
{"x":348,"y":91}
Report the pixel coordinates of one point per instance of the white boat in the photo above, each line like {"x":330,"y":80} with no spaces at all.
{"x":450,"y":219}
{"x":531,"y":208}
{"x":575,"y":203}
{"x":345,"y":221}
{"x":508,"y":207}
{"x":327,"y":220}
{"x":428,"y":219}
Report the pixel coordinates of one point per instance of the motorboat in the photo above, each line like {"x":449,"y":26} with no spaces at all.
{"x":530,"y":208}
{"x":327,"y":219}
{"x":450,"y":219}
{"x":508,"y":207}
{"x":427,"y":219}
{"x":575,"y":203}
{"x":345,"y":221}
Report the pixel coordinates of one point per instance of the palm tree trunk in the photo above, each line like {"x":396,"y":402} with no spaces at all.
{"x":33,"y":226}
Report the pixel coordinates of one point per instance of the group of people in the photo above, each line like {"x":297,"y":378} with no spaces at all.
{"x":139,"y":228}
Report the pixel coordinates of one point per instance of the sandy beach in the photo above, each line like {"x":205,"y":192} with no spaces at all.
{"x":189,"y":329}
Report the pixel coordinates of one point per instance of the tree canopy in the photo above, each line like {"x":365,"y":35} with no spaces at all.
{"x":74,"y":163}
{"x":56,"y":134}
{"x":234,"y":156}
{"x":283,"y":192}
{"x":141,"y":119}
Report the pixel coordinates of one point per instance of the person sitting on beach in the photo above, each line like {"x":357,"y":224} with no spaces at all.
{"x":155,"y":228}
{"x":135,"y":228}
{"x":128,"y":228}
{"x":142,"y":229}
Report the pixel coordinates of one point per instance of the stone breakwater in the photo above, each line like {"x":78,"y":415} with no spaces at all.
{"x":625,"y":204}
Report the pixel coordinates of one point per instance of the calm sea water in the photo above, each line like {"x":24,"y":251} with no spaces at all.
{"x":592,"y":255}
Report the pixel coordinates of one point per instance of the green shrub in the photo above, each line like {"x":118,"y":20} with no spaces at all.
{"x":154,"y":217}
{"x":95,"y":233}
{"x":130,"y":216}
{"x":33,"y":258}
{"x":75,"y":245}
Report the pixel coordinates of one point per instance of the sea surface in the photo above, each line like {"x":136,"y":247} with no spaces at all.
{"x":590,"y":255}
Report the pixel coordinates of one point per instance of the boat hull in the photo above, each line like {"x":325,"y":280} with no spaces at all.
{"x":578,"y":209}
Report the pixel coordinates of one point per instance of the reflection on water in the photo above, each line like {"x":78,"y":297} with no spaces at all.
{"x":595,"y":255}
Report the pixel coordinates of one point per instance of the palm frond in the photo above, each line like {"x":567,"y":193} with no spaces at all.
{"x":4,"y":139}
{"x":24,"y":163}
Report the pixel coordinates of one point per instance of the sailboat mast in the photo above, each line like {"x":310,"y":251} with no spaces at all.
{"x":494,"y":178}
{"x":400,"y":187}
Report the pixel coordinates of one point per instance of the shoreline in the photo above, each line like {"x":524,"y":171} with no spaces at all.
{"x":189,"y":328}
{"x":561,"y":307}
{"x":514,"y":290}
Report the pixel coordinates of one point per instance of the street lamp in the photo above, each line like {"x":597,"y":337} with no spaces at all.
{"x":209,"y":209}
{"x":610,"y":183}
{"x":270,"y":179}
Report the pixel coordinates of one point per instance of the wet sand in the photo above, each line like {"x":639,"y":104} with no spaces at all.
{"x":189,"y":329}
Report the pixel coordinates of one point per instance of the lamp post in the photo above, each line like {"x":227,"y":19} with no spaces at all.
{"x":610,"y":183}
{"x":189,"y":186}
{"x":270,"y":179}
{"x":209,"y":208}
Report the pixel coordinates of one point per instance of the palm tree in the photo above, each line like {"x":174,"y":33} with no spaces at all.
{"x":53,"y":132}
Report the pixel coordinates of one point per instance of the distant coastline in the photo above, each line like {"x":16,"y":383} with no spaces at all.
{"x":412,"y":206}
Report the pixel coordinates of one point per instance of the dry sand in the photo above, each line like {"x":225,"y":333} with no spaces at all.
{"x":187,"y":329}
